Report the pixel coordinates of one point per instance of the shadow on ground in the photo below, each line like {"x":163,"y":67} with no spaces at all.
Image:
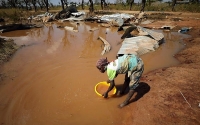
{"x":141,"y":90}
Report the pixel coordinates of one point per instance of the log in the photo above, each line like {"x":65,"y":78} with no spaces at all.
{"x":107,"y":46}
{"x":92,"y":30}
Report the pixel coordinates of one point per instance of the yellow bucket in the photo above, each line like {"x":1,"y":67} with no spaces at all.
{"x":101,"y":87}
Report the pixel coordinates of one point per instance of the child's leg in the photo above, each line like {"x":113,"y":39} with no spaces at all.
{"x":134,"y":82}
{"x":130,"y":94}
{"x":125,"y":85}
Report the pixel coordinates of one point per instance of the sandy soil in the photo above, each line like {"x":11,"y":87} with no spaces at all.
{"x":7,"y":49}
{"x":174,"y":95}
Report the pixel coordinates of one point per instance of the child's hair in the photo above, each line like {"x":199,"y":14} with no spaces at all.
{"x":102,"y":62}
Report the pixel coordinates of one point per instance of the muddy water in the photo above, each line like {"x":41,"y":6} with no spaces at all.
{"x":51,"y":80}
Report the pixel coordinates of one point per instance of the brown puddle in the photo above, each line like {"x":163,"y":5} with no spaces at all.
{"x":52,"y":79}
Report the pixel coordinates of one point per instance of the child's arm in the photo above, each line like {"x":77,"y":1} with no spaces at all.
{"x":112,"y":84}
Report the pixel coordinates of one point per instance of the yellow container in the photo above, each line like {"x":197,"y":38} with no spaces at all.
{"x":102,"y":87}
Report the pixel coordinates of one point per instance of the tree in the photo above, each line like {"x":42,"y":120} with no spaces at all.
{"x":149,"y":2}
{"x":143,"y":5}
{"x":12,"y":3}
{"x":65,"y":2}
{"x":91,"y":9}
{"x":3,"y":4}
{"x":46,"y":2}
{"x":173,"y":5}
{"x":132,"y":1}
{"x":34,"y":4}
{"x":40,"y":3}
{"x":82,"y":4}
{"x":103,"y":3}
{"x":119,"y":1}
{"x":62,"y":4}
{"x":20,"y":4}
{"x":26,"y":3}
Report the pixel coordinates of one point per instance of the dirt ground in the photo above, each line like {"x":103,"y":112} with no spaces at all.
{"x":7,"y":49}
{"x":174,"y":95}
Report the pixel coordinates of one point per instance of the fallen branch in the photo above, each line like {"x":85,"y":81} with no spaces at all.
{"x":107,"y":46}
{"x":94,"y":29}
{"x":185,"y":99}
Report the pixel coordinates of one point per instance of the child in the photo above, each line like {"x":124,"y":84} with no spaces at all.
{"x":130,"y":65}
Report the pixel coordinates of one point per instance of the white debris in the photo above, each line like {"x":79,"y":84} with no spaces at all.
{"x":118,"y":18}
{"x":70,"y":29}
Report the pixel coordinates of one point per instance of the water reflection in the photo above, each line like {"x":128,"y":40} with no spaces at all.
{"x":90,"y":40}
{"x":50,"y":29}
{"x":65,"y":40}
{"x":174,"y":39}
{"x":35,"y":33}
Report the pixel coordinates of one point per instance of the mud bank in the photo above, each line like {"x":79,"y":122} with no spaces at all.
{"x":7,"y":49}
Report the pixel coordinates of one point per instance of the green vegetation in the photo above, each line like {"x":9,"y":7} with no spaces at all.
{"x":13,"y":14}
{"x":156,"y":6}
{"x":16,"y":15}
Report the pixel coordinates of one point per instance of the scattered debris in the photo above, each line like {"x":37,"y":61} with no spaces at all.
{"x":72,"y":19}
{"x":184,"y":29}
{"x":185,"y":99}
{"x":46,"y":17}
{"x":70,"y":29}
{"x":107,"y":46}
{"x":66,"y":13}
{"x":138,"y":45}
{"x":155,"y":35}
{"x":167,"y":27}
{"x":143,"y":41}
{"x":140,"y":17}
{"x":137,"y":40}
{"x":93,"y":29}
{"x":115,"y":19}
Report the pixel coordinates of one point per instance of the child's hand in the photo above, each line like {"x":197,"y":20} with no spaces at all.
{"x":105,"y":95}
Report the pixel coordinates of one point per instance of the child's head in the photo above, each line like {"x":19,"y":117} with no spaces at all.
{"x":101,"y":64}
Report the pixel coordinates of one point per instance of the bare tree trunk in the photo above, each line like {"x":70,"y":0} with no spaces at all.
{"x":103,"y":3}
{"x":40,"y":3}
{"x":62,"y":4}
{"x":65,"y":2}
{"x":3,"y":4}
{"x":149,"y":2}
{"x":34,"y":5}
{"x":91,"y":9}
{"x":26,"y":3}
{"x":173,"y":5}
{"x":12,"y":3}
{"x":46,"y":2}
{"x":132,"y":1}
{"x":143,"y":5}
{"x":82,"y":4}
